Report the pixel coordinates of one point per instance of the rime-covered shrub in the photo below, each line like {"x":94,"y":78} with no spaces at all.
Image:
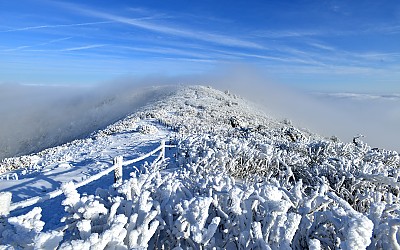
{"x":25,"y":232}
{"x":237,"y":181}
{"x":147,"y":129}
{"x":195,"y":207}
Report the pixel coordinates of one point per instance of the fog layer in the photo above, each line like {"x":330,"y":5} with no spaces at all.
{"x":344,"y":115}
{"x":37,"y":117}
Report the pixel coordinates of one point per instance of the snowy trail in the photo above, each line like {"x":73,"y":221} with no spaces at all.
{"x":77,"y":164}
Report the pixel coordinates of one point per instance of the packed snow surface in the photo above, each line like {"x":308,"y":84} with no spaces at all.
{"x":237,"y":179}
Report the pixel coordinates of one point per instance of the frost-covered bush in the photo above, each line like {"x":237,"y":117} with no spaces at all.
{"x":25,"y":232}
{"x":238,"y":181}
{"x":198,"y":208}
{"x":8,"y":164}
{"x":147,"y":129}
{"x":126,"y":124}
{"x":85,"y":214}
{"x":362,"y":180}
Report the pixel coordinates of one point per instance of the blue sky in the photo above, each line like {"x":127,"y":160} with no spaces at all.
{"x":316,"y":45}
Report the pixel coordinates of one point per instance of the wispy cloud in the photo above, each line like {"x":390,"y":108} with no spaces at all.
{"x":283,"y":58}
{"x":387,"y":29}
{"x":175,"y":31}
{"x":322,"y":46}
{"x":379,"y":56}
{"x":36,"y":45}
{"x":298,"y":33}
{"x":151,"y":14}
{"x":84,"y":47}
{"x":286,"y":33}
{"x":167,"y":51}
{"x":191,"y":60}
{"x":31,"y":49}
{"x":54,"y":26}
{"x":55,"y":41}
{"x":17,"y":48}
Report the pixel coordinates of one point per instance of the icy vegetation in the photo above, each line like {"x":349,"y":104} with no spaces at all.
{"x":237,"y":180}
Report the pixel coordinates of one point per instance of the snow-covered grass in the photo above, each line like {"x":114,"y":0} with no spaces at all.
{"x":237,"y":180}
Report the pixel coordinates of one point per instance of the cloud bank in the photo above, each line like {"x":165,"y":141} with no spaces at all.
{"x":35,"y":117}
{"x":344,"y":115}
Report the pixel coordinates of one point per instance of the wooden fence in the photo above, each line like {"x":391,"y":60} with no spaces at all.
{"x":5,"y":197}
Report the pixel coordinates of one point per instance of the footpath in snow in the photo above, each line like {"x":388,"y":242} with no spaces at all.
{"x":237,"y":179}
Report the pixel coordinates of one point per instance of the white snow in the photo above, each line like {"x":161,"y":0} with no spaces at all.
{"x":237,"y":179}
{"x":5,"y":201}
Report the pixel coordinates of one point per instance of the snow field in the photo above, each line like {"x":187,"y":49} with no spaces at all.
{"x":238,"y":180}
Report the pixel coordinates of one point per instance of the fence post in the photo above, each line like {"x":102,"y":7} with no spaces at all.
{"x":5,"y":202}
{"x":162,"y":150}
{"x":118,"y":161}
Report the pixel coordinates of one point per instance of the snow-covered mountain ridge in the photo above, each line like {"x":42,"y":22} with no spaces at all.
{"x":204,"y":108}
{"x":237,"y":179}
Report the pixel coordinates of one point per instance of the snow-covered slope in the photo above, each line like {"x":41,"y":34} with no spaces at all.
{"x":237,"y":179}
{"x":34,"y":118}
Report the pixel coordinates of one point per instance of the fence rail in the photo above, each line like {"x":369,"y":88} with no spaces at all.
{"x":5,"y":197}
